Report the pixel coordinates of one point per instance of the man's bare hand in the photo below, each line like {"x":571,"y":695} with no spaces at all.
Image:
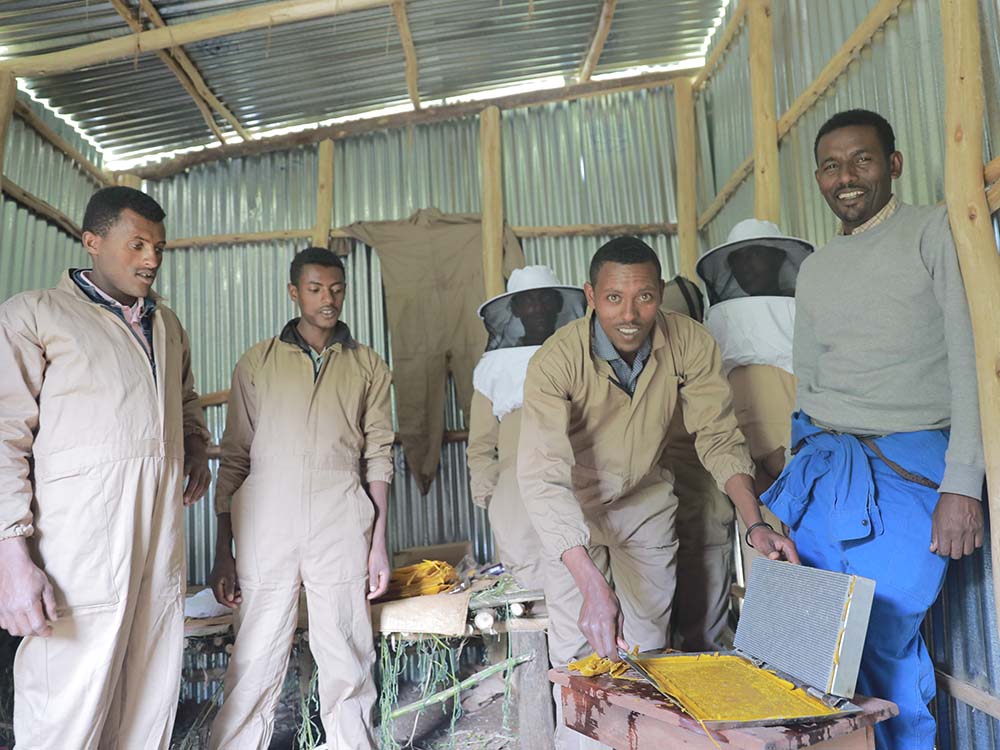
{"x":378,"y":570}
{"x":601,"y":621}
{"x":957,"y":526}
{"x":774,"y":546}
{"x":224,"y":582}
{"x":196,"y":470}
{"x":27,"y":601}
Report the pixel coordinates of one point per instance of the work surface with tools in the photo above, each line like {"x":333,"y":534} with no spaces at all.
{"x":628,"y":715}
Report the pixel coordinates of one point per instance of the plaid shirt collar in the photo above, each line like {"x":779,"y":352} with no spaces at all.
{"x":887,"y":210}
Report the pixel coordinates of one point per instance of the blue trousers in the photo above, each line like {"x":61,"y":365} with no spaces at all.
{"x":896,"y":513}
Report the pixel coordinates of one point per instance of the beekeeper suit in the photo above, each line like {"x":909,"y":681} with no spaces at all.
{"x":704,"y":517}
{"x":518,"y":322}
{"x":307,"y":424}
{"x":97,"y":409}
{"x":750,"y":280}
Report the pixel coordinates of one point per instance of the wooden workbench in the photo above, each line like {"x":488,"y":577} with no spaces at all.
{"x":630,"y":715}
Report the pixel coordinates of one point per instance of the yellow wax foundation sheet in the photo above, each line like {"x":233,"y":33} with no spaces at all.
{"x":721,"y":687}
{"x":427,"y":577}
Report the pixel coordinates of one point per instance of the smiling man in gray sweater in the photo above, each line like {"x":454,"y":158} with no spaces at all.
{"x":887,"y":470}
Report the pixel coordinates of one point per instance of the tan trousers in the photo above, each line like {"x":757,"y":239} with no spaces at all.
{"x":764,"y":399}
{"x":319,"y":540}
{"x":634,"y":544}
{"x":704,"y":558}
{"x":516,"y":540}
{"x":111,"y":540}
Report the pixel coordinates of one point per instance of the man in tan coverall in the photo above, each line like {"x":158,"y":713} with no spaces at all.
{"x":704,"y":517}
{"x":518,"y":322}
{"x":433,"y":275}
{"x":99,"y":425}
{"x":309,"y":420}
{"x":598,"y":402}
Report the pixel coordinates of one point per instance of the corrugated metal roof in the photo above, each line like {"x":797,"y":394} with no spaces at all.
{"x":317,"y":70}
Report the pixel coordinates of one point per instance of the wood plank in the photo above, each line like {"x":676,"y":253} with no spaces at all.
{"x":597,"y":42}
{"x":442,"y":614}
{"x":188,"y":66}
{"x":722,"y":46}
{"x":8,"y":98}
{"x":42,"y":208}
{"x":324,"y":196}
{"x":535,"y":711}
{"x":490,"y":168}
{"x":237,"y":239}
{"x":767,"y":176}
{"x":972,"y":228}
{"x":409,"y":52}
{"x":169,"y":167}
{"x":36,"y":123}
{"x":686,"y":165}
{"x":196,"y":30}
{"x":969,"y":694}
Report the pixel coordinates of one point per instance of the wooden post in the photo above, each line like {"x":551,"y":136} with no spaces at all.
{"x":767,"y":185}
{"x":324,"y":196}
{"x":129,"y":180}
{"x":972,"y":228}
{"x":686,"y":164}
{"x":8,"y":95}
{"x":492,"y":200}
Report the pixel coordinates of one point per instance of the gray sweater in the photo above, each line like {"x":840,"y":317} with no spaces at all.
{"x":883,"y":340}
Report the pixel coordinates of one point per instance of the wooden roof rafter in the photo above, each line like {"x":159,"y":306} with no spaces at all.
{"x":409,"y":51}
{"x":590,"y":61}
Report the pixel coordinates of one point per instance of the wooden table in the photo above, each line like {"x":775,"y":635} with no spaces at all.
{"x":633,"y":716}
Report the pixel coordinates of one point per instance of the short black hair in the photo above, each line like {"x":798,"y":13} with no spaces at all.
{"x":313,"y":256}
{"x":626,"y":250}
{"x":107,"y":204}
{"x":851,"y":117}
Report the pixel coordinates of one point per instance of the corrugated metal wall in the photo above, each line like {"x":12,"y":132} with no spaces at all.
{"x":33,"y":251}
{"x":901,"y":76}
{"x":599,"y":159}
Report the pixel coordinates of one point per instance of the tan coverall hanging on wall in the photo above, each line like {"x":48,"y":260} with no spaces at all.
{"x":432,"y":270}
{"x":290,"y":474}
{"x":588,"y":468}
{"x":79,"y":398}
{"x":492,"y":456}
{"x":704,"y":518}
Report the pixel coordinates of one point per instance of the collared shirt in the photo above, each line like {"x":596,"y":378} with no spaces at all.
{"x":887,"y":210}
{"x":341,"y":335}
{"x":138,"y":316}
{"x":628,"y":375}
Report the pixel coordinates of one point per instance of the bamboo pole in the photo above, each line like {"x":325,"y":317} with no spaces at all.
{"x":409,"y":51}
{"x":687,"y":171}
{"x":597,"y":42}
{"x":40,"y":207}
{"x":169,"y":167}
{"x":8,"y":96}
{"x":973,"y":231}
{"x":324,"y":196}
{"x":492,"y":200}
{"x":767,"y":176}
{"x":36,"y":123}
{"x":199,"y":29}
{"x":188,"y":66}
{"x":722,"y":46}
{"x":172,"y":65}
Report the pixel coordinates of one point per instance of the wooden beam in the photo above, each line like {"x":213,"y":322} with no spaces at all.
{"x":859,"y":39}
{"x":188,"y":66}
{"x":767,"y":174}
{"x":170,"y":167}
{"x":728,"y":190}
{"x":42,"y":208}
{"x":36,"y":123}
{"x":8,"y":98}
{"x":455,"y":436}
{"x":969,"y":694}
{"x":239,"y":239}
{"x":491,"y":172}
{"x":972,"y":227}
{"x":992,"y":172}
{"x":128,"y":180}
{"x":594,"y":230}
{"x":724,"y":43}
{"x":174,"y":67}
{"x":993,"y":197}
{"x":324,"y":196}
{"x":196,"y":30}
{"x":409,"y":51}
{"x":686,"y":167}
{"x":597,"y":43}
